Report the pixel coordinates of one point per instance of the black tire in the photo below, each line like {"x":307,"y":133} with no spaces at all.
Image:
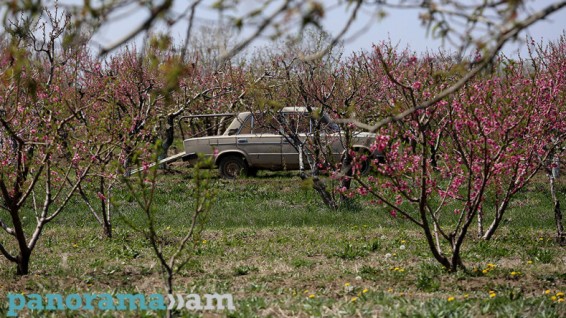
{"x":366,"y":165}
{"x":232,"y":166}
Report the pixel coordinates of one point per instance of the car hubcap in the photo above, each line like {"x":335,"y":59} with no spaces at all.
{"x":233,"y":169}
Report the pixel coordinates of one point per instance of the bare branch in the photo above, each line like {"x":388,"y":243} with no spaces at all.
{"x":7,"y":228}
{"x":7,"y":254}
{"x":510,"y":33}
{"x":337,"y":38}
{"x":146,"y":25}
{"x":265,"y":23}
{"x":384,"y":200}
{"x":193,"y":8}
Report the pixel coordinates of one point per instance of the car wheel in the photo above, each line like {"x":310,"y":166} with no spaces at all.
{"x":366,"y":164}
{"x":232,"y":167}
{"x":366,"y":167}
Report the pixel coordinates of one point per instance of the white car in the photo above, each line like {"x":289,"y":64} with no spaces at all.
{"x":255,"y":142}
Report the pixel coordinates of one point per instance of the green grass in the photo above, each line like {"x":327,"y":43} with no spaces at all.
{"x":273,"y":245}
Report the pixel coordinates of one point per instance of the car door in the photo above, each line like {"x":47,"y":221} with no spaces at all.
{"x":298,"y":124}
{"x":261,"y":143}
{"x":332,"y":139}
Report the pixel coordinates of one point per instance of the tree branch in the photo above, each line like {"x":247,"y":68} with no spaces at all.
{"x":7,"y":254}
{"x":505,"y":36}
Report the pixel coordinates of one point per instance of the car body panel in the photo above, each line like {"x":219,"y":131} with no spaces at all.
{"x":263,"y":146}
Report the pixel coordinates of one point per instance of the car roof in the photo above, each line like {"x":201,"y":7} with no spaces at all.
{"x":294,"y":109}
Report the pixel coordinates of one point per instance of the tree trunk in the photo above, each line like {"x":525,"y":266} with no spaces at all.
{"x":560,"y":235}
{"x":327,"y":198}
{"x":432,"y":245}
{"x":105,"y":206}
{"x":497,"y":221}
{"x":23,"y":262}
{"x":437,"y":239}
{"x":347,"y":170}
{"x":480,"y":223}
{"x":167,"y":141}
{"x":318,"y":185}
{"x":168,"y":272}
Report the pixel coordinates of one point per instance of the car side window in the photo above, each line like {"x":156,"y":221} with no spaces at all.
{"x":264,"y":124}
{"x":246,"y":127}
{"x":298,"y":123}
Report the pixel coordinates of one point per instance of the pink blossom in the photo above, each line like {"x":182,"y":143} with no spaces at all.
{"x":362,"y":191}
{"x":76,"y":159}
{"x":145,"y":166}
{"x":101,"y":196}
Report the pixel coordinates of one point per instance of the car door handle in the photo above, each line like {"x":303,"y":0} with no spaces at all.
{"x":242,"y":141}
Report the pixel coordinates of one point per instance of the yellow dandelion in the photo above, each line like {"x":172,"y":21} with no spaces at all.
{"x":311,"y":296}
{"x":560,"y":294}
{"x":529,"y":262}
{"x":204,"y":241}
{"x":450,"y":298}
{"x":553,"y":298}
{"x":466,"y":295}
{"x":403,"y":241}
{"x":492,"y":294}
{"x":306,"y":291}
{"x":365,"y":290}
{"x":75,"y":245}
{"x":560,"y":300}
{"x":546,"y":292}
{"x":485,"y":271}
{"x":390,"y":290}
{"x":346,"y":284}
{"x":354,"y":299}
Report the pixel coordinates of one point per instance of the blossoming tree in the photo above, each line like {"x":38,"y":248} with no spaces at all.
{"x":489,"y":140}
{"x":46,"y":149}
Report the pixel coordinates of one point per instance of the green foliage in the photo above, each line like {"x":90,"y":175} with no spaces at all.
{"x":351,"y":252}
{"x":244,"y":270}
{"x":172,"y":252}
{"x":542,"y":255}
{"x":274,"y":250}
{"x":302,"y":262}
{"x":427,"y":282}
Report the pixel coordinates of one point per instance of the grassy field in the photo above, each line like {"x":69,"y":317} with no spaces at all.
{"x":273,"y":245}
